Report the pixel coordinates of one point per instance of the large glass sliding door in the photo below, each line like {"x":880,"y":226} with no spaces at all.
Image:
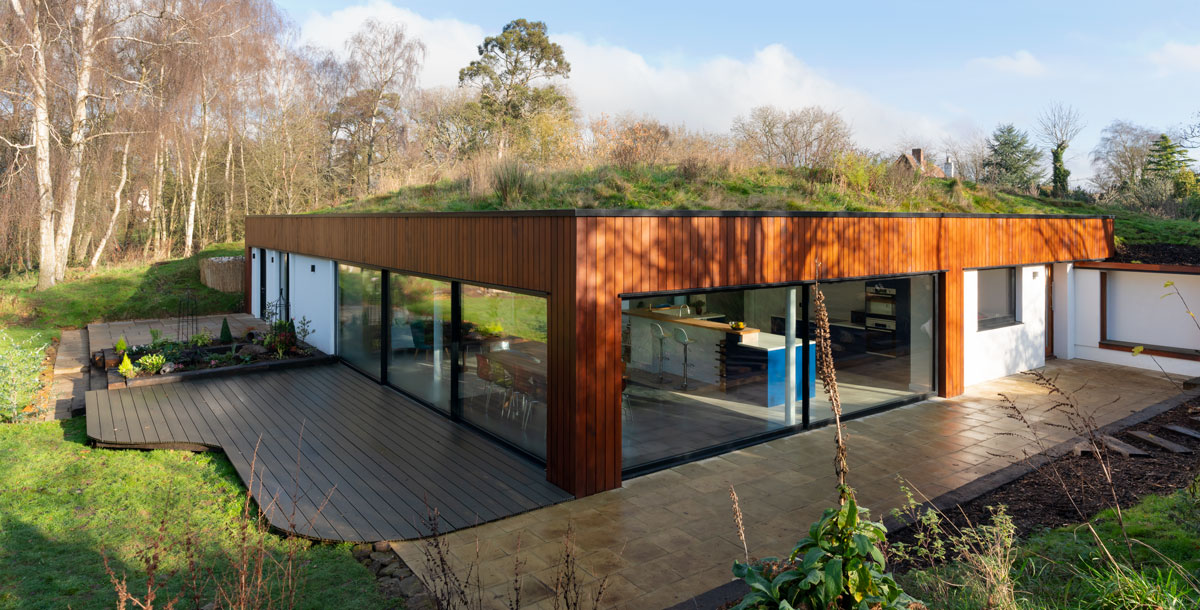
{"x":503,"y":382}
{"x":707,"y":371}
{"x":475,"y":353}
{"x":360,"y":317}
{"x":419,"y":358}
{"x":881,"y":336}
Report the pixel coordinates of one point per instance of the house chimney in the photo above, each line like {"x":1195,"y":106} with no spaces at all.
{"x":919,"y":156}
{"x":948,"y":168}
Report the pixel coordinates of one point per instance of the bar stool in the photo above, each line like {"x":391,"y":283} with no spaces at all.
{"x":681,"y":337}
{"x":658,"y":333}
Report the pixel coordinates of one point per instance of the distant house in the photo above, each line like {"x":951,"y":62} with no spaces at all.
{"x":916,"y":162}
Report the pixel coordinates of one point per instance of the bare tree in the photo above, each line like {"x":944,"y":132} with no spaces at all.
{"x":1057,"y":126}
{"x":385,"y":61}
{"x":1120,"y":156}
{"x":809,"y":137}
{"x":968,"y":154}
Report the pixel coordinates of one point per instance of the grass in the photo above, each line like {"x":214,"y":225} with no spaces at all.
{"x":63,"y":505}
{"x":1057,"y":569}
{"x":758,"y":188}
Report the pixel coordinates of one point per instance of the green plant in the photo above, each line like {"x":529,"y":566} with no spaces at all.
{"x":494,"y":329}
{"x":121,"y":345}
{"x":20,"y":363}
{"x":226,"y":335}
{"x":203,"y":338}
{"x":512,"y":182}
{"x":838,"y":565}
{"x":126,"y":368}
{"x":155,"y":336}
{"x":152,"y":363}
{"x":1117,"y":586}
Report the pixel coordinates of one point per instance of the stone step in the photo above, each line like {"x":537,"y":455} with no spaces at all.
{"x":1184,"y":431}
{"x":1173,"y":447}
{"x":1113,"y":444}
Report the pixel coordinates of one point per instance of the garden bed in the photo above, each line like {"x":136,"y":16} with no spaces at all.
{"x":1036,"y":501}
{"x":167,"y":361}
{"x":317,"y":357}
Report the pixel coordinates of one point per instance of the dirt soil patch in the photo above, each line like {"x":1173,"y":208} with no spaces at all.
{"x":1036,"y":500}
{"x":1158,"y":254}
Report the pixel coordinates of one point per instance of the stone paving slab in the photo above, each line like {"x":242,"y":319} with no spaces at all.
{"x":668,"y":536}
{"x":71,"y":374}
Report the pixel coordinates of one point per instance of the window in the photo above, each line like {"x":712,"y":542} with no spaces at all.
{"x":360,"y":325}
{"x":997,"y":297}
{"x":419,"y":357}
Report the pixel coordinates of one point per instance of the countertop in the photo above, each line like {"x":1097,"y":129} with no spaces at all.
{"x":689,"y":320}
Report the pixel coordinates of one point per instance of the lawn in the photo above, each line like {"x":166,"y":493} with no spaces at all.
{"x":120,"y":292}
{"x":64,"y":506}
{"x":1057,"y":569}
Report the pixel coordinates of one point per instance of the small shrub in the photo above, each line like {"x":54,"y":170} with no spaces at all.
{"x":839,"y":564}
{"x":20,"y":363}
{"x":151,"y":363}
{"x":121,"y":345}
{"x":201,"y":339}
{"x":126,"y":369}
{"x":226,"y":335}
{"x":155,"y":336}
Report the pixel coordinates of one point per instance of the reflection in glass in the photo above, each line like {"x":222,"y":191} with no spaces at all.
{"x":419,"y":358}
{"x":737,"y":376}
{"x":881,"y":336}
{"x":503,"y":380}
{"x":360,"y":309}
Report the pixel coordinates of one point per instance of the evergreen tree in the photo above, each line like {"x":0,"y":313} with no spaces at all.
{"x":507,"y":72}
{"x":1166,"y":158}
{"x":1012,"y":159}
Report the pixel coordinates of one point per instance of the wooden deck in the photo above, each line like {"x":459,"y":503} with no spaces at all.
{"x":381,"y":458}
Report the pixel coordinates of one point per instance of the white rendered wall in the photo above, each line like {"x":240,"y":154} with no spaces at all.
{"x":1137,"y":312}
{"x":1064,"y":316}
{"x":313,"y":285}
{"x":999,"y":352}
{"x":272,"y":276}
{"x":255,"y":278}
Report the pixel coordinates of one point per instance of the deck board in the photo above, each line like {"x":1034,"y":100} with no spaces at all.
{"x":380,"y":458}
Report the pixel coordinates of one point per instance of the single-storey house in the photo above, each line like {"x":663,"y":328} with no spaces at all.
{"x":608,"y":343}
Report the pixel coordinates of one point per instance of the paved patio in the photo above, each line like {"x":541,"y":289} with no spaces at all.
{"x":668,"y":536}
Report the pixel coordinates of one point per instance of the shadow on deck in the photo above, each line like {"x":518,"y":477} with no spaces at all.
{"x":380,"y":458}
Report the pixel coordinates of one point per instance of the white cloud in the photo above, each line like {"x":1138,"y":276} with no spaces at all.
{"x":1176,"y":57}
{"x":609,"y":79}
{"x":1021,"y":63}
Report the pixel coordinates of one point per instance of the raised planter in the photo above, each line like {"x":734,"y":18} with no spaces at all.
{"x":224,"y":371}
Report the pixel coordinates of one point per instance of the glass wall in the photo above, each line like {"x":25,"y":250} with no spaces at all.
{"x":503,"y":380}
{"x":707,"y":370}
{"x":881,"y":336}
{"x":419,"y":358}
{"x":360,"y":317}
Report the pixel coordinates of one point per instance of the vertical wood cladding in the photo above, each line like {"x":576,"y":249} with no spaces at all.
{"x":585,"y":260}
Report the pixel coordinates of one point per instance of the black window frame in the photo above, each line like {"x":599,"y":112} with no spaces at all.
{"x":1012,"y":318}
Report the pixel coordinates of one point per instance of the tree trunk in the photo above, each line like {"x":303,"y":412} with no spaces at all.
{"x":191,"y":215}
{"x":83,"y":79}
{"x":112,"y":222}
{"x":39,"y":129}
{"x":229,"y":188}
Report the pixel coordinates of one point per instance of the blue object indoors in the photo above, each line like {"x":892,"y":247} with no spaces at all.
{"x":777,"y":366}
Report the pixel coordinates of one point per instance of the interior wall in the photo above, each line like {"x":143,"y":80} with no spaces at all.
{"x":999,"y":352}
{"x":313,"y":295}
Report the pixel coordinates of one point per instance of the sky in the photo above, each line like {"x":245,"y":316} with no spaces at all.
{"x":901,"y":73}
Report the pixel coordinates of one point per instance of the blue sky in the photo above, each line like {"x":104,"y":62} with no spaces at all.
{"x":902,"y":73}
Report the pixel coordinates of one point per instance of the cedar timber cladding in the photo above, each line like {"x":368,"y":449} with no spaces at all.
{"x":585,"y":259}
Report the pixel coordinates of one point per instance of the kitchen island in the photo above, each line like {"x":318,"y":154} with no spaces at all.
{"x":720,"y":356}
